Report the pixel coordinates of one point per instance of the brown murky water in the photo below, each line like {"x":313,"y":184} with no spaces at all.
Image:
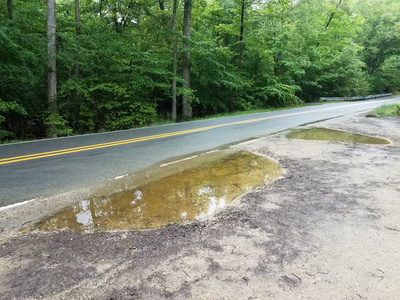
{"x":186,"y":196}
{"x":334,"y":135}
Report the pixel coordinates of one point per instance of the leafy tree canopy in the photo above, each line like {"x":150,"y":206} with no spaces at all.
{"x":115,"y":72}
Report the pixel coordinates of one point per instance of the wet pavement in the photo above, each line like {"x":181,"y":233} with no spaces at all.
{"x":189,"y":195}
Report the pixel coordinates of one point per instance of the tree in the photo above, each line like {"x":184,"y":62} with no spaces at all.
{"x":116,"y":60}
{"x":52,"y":62}
{"x":380,"y":35}
{"x":186,"y":106}
{"x":174,"y":60}
{"x":161,"y":3}
{"x":78,"y":33}
{"x":10,"y":9}
{"x":241,"y":34}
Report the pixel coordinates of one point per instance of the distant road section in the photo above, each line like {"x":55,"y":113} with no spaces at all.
{"x":356,"y":98}
{"x":48,"y":167}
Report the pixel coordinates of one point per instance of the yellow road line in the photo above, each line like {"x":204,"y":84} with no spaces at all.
{"x":83,"y":148}
{"x":11,"y":160}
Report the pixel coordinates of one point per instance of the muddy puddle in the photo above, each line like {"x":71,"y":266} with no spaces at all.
{"x":188,"y":195}
{"x":335,"y":136}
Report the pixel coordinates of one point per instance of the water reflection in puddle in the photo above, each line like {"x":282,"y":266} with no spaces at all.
{"x":186,"y":196}
{"x":334,"y":135}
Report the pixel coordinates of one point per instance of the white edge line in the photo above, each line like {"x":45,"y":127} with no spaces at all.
{"x":177,"y":161}
{"x":17,"y":204}
{"x":209,"y":152}
{"x":187,"y":158}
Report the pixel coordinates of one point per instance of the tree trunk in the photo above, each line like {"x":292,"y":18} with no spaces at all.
{"x":332,"y":15}
{"x":51,"y":58}
{"x":78,"y":33}
{"x":10,"y":9}
{"x":77,"y":105}
{"x":186,"y":108}
{"x":115,"y":17}
{"x":330,"y":18}
{"x":161,"y":2}
{"x":241,"y":36}
{"x":174,"y":60}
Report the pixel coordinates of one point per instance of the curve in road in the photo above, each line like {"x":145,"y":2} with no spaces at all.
{"x":43,"y":168}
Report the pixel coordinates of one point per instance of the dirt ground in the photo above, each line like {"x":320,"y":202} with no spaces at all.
{"x":328,"y":229}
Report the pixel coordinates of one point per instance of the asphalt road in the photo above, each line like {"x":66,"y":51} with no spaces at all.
{"x":47,"y":167}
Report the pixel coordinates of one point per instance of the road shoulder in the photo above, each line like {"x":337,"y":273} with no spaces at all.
{"x":329,"y":228}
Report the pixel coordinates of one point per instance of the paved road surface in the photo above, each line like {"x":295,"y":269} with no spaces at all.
{"x":47,"y":167}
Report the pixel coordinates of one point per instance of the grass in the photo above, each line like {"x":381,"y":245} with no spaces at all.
{"x":387,"y":110}
{"x":12,"y":141}
{"x":159,"y":122}
{"x":243,"y":112}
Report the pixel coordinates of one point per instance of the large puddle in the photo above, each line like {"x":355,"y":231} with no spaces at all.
{"x":334,"y":135}
{"x":189,"y":195}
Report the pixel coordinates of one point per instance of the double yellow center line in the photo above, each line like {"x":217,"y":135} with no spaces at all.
{"x":11,"y":160}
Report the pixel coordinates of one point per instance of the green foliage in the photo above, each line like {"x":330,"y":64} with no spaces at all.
{"x":277,"y":95}
{"x":9,"y":111}
{"x":12,"y":107}
{"x":23,"y":69}
{"x":380,"y":37}
{"x":119,"y":108}
{"x":218,"y":87}
{"x":117,"y":73}
{"x":4,"y":134}
{"x":387,"y":76}
{"x":344,"y":75}
{"x":56,"y":125}
{"x":388,"y":110}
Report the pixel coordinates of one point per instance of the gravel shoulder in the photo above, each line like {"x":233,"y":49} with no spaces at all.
{"x":328,"y":229}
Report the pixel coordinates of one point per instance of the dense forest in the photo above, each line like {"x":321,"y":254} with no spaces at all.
{"x":80,"y":66}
